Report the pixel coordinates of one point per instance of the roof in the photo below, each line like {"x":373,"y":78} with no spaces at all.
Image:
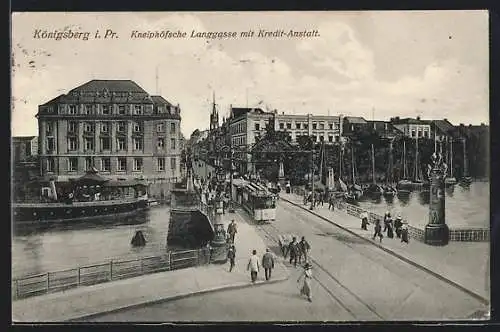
{"x":239,"y":111}
{"x":444,"y":125}
{"x":23,"y":138}
{"x":160,"y":100}
{"x":110,"y":85}
{"x":355,"y":119}
{"x":408,"y":121}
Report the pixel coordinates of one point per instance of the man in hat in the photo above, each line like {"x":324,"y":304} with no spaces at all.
{"x":253,"y":266}
{"x":304,"y":248}
{"x":398,"y":223}
{"x":231,"y":230}
{"x":405,"y":237}
{"x":268,"y":263}
{"x":231,"y":255}
{"x":294,"y":251}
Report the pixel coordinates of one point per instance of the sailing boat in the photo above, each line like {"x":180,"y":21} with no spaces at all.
{"x":354,"y":191}
{"x":373,"y":189}
{"x":404,"y":184}
{"x":341,"y":187}
{"x":466,"y":179}
{"x":389,"y":190}
{"x":450,"y":180}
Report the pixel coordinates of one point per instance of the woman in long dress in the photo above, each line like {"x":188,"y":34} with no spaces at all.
{"x":306,"y":286}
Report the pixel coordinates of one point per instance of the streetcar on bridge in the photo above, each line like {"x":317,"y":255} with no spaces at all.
{"x":256,"y":199}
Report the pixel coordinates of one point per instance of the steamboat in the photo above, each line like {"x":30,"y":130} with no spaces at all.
{"x":90,"y":196}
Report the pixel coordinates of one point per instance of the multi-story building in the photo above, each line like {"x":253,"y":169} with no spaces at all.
{"x":25,"y":166}
{"x":24,"y":148}
{"x":247,"y":125}
{"x":112,"y":125}
{"x":412,"y":127}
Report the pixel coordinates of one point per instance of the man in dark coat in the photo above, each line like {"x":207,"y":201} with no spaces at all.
{"x":231,"y":255}
{"x":294,"y":252}
{"x":398,"y":223}
{"x":231,"y":230}
{"x":304,"y":248}
{"x":268,"y":263}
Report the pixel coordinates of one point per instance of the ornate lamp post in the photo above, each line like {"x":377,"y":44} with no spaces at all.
{"x":436,"y":231}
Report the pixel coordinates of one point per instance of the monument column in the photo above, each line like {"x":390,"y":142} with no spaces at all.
{"x":436,"y":231}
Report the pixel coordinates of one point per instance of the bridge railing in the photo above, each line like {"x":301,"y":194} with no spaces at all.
{"x":108,"y":271}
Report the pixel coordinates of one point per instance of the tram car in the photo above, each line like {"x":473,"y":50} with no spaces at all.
{"x":256,"y":199}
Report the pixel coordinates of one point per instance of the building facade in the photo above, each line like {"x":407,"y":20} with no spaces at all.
{"x":112,"y":125}
{"x":412,"y":128}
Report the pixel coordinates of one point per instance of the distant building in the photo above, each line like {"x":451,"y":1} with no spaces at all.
{"x":112,"y":125}
{"x":412,"y":128}
{"x":24,"y":148}
{"x":25,"y":164}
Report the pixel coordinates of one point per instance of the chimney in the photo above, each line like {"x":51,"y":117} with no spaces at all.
{"x":418,"y":117}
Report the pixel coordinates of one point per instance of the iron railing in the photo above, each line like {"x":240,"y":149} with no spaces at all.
{"x":103,"y":272}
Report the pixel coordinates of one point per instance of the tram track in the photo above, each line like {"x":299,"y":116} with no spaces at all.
{"x":274,"y":238}
{"x":449,"y":282}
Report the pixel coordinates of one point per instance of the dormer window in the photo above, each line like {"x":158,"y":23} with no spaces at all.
{"x":138,"y":110}
{"x":121,"y":109}
{"x":105,"y":109}
{"x":72,"y":109}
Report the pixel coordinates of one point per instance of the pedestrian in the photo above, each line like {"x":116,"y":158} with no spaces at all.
{"x":387,"y":218}
{"x":232,"y":230}
{"x":378,"y":230}
{"x":390,"y":232}
{"x":253,"y":265}
{"x":364,"y":220}
{"x":306,"y":286}
{"x":321,"y":197}
{"x":304,"y":248}
{"x":231,"y":255}
{"x":293,"y":250}
{"x":268,"y":263}
{"x":405,"y":237}
{"x":398,"y":223}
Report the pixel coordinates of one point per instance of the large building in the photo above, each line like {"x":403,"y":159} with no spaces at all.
{"x":112,"y":125}
{"x":247,"y":125}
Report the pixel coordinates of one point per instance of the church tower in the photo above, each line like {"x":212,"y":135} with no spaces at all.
{"x":214,"y":116}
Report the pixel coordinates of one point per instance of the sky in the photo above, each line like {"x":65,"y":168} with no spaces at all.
{"x":432,"y":64}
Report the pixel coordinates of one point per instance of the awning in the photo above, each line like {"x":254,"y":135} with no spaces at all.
{"x":124,"y":183}
{"x":90,"y":178}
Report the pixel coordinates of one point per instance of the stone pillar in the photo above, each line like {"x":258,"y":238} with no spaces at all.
{"x":436,"y":231}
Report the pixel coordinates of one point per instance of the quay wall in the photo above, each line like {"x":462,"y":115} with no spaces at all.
{"x":456,"y":234}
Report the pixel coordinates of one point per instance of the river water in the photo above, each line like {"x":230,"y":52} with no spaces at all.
{"x":464,"y":207}
{"x":61,"y":247}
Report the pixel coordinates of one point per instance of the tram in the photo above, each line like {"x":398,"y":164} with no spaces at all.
{"x":256,"y":199}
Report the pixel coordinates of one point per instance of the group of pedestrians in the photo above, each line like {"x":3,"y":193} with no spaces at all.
{"x":298,"y":251}
{"x":391,"y":226}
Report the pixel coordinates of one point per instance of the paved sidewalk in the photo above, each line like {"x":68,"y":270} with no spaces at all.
{"x":114,"y":296}
{"x":465,"y":263}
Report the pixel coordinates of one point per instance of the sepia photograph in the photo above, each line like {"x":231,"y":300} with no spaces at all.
{"x":321,"y":166}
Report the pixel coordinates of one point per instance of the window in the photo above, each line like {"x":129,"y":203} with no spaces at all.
{"x":413,"y":133}
{"x":88,"y":163}
{"x":49,"y":128}
{"x":72,"y":127}
{"x":321,"y":126}
{"x":105,"y":127}
{"x":282,"y":125}
{"x":330,"y":138}
{"x":137,"y":127}
{"x":137,"y":143}
{"x":105,"y":109}
{"x":137,"y":109}
{"x":89,"y":143}
{"x":122,"y":164}
{"x":121,"y":109}
{"x":50,"y":144}
{"x":72,"y":144}
{"x":321,"y":138}
{"x":172,"y":143}
{"x":122,"y":143}
{"x":88,"y":127}
{"x":173,"y":163}
{"x":105,"y":164}
{"x":72,"y":109}
{"x":161,"y":143}
{"x":419,"y":133}
{"x":137,"y":164}
{"x":121,"y":127}
{"x":105,"y":143}
{"x":306,"y":125}
{"x":257,"y":126}
{"x":289,"y":126}
{"x":172,"y":128}
{"x":315,"y":138}
{"x":297,"y":125}
{"x":72,"y":164}
{"x":337,"y":138}
{"x":331,"y":125}
{"x":161,"y":164}
{"x":51,"y":164}
{"x":87,"y":109}
{"x":160,"y":128}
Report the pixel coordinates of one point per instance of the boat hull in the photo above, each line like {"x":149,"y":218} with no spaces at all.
{"x":43,"y":213}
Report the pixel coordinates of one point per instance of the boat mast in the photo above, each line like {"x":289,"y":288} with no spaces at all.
{"x":466,"y":171}
{"x":451,"y":157}
{"x":340,"y":161}
{"x":416,"y":158}
{"x":404,"y":159}
{"x":352,"y":164}
{"x":373,"y":164}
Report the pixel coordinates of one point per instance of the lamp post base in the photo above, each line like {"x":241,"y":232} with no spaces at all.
{"x":437,"y":235}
